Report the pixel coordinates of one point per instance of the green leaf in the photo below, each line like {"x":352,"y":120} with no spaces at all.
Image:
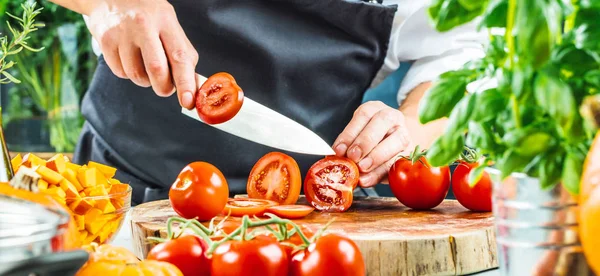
{"x":555,"y":97}
{"x":481,"y":136}
{"x":511,"y":162}
{"x":521,"y":82}
{"x":537,"y":23}
{"x":489,"y":103}
{"x":495,"y":15}
{"x":10,"y":77}
{"x":571,"y":172}
{"x":445,"y":150}
{"x":441,"y":98}
{"x":550,"y":169}
{"x":8,"y":65}
{"x":476,"y":174}
{"x":586,"y":34}
{"x":574,"y":60}
{"x":592,"y":77}
{"x":460,"y":115}
{"x":447,"y":14}
{"x":528,"y":141}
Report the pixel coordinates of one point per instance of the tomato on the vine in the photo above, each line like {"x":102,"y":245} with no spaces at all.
{"x":200,"y":191}
{"x":331,"y":254}
{"x":185,"y":252}
{"x":330,"y":182}
{"x":275,"y":176}
{"x":477,"y":198}
{"x":260,"y":256}
{"x":417,"y":184}
{"x":239,"y":207}
{"x":290,"y":211}
{"x":219,"y":99}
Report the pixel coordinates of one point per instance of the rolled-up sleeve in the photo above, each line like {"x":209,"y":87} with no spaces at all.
{"x":415,"y":40}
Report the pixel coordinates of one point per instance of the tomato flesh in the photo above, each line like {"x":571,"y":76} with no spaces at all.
{"x":262,"y":256}
{"x":219,"y":99}
{"x":200,"y":191}
{"x":419,"y":185}
{"x":477,"y":198}
{"x":331,"y":254}
{"x":275,"y":176}
{"x":239,"y":207}
{"x":186,"y":252}
{"x":290,"y":211}
{"x":330,"y":183}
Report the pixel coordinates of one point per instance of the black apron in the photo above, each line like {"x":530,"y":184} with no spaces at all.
{"x":311,"y":60}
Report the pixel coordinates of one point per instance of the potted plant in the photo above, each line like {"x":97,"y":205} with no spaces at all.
{"x":523,"y":114}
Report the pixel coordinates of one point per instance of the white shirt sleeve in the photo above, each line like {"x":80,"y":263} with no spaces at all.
{"x":413,"y":39}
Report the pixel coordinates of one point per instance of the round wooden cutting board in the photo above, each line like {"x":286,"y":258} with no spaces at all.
{"x":394,"y":240}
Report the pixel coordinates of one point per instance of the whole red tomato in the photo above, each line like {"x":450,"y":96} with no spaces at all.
{"x":200,"y":191}
{"x":331,"y":254}
{"x":419,"y":185}
{"x":261,"y":256}
{"x":186,"y":252}
{"x":477,"y":198}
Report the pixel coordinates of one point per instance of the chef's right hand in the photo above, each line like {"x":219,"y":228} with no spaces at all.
{"x":142,"y":40}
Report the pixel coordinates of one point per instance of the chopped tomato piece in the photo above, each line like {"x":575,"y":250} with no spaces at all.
{"x":239,"y":207}
{"x":219,"y":99}
{"x":330,"y":183}
{"x":276,"y":176}
{"x":290,"y":211}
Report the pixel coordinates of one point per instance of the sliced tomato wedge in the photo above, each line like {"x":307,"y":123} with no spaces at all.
{"x":330,"y":182}
{"x":238,"y":207}
{"x":275,"y":176}
{"x":290,"y":211}
{"x":219,"y":99}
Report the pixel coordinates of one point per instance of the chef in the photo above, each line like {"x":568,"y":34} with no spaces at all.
{"x":311,"y":60}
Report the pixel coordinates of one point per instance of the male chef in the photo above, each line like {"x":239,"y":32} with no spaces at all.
{"x":311,"y":60}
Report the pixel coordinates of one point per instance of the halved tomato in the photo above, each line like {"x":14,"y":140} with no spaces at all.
{"x":238,"y":207}
{"x":219,"y":99}
{"x":275,"y":176}
{"x":290,"y":211}
{"x":330,"y":182}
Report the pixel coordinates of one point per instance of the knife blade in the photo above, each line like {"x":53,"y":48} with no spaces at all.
{"x":260,"y":124}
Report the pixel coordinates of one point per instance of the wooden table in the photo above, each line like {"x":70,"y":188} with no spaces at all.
{"x":394,"y":240}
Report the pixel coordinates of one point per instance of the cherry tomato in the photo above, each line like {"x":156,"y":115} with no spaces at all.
{"x":238,"y":207}
{"x":331,"y":254}
{"x":290,"y":211}
{"x":262,"y":256}
{"x":419,"y":186}
{"x":200,"y":191}
{"x":276,"y":176}
{"x":477,"y":198}
{"x":219,"y":99}
{"x":185,"y":252}
{"x":330,"y":182}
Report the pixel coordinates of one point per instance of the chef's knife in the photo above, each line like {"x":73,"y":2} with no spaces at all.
{"x":260,"y":124}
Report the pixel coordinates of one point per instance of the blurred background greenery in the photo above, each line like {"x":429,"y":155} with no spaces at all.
{"x":42,"y":113}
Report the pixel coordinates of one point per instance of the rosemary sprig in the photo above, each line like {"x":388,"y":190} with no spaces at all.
{"x":18,"y":42}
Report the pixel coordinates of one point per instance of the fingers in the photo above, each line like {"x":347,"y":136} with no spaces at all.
{"x":374,"y":177}
{"x":111,"y":55}
{"x":133,"y":64}
{"x":183,"y":59}
{"x":393,"y":144}
{"x":361,"y":118}
{"x":383,"y":123}
{"x":157,"y":66}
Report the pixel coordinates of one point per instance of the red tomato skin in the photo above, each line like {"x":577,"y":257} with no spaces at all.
{"x":478,"y":198}
{"x":186,"y":252}
{"x":224,"y":84}
{"x":331,"y":254}
{"x":200,"y":191}
{"x":419,"y":186}
{"x":261,"y":256}
{"x":344,"y":197}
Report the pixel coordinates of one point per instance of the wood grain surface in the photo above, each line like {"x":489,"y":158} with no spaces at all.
{"x":394,"y":240}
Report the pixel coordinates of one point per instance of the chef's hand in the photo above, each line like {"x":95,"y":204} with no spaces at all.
{"x":142,"y":40}
{"x":374,"y":138}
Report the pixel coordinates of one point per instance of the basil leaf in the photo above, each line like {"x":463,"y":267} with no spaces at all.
{"x":571,"y":172}
{"x":489,"y":103}
{"x":445,"y":150}
{"x":586,"y":34}
{"x":472,"y":5}
{"x":555,"y":97}
{"x":576,"y":61}
{"x":476,"y":174}
{"x":528,"y":141}
{"x":495,"y":15}
{"x":592,"y":77}
{"x":441,"y":98}
{"x":512,"y":162}
{"x":521,"y":82}
{"x":447,"y":14}
{"x":481,"y":136}
{"x":460,"y":115}
{"x":550,"y":169}
{"x":537,"y":22}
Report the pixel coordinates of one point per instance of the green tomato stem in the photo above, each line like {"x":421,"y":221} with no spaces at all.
{"x":510,"y":40}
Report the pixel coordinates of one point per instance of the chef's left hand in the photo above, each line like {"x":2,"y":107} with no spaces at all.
{"x":374,"y":139}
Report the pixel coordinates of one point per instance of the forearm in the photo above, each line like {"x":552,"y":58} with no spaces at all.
{"x":422,"y":135}
{"x":79,"y":6}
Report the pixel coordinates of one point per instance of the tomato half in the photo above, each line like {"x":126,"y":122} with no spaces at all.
{"x":262,"y":256}
{"x":186,"y":252}
{"x":477,"y":198}
{"x":290,"y":211}
{"x":419,"y":186}
{"x":331,"y":254}
{"x":330,"y":182}
{"x":275,"y":176}
{"x":219,"y":99}
{"x":238,"y":207}
{"x":200,"y":191}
